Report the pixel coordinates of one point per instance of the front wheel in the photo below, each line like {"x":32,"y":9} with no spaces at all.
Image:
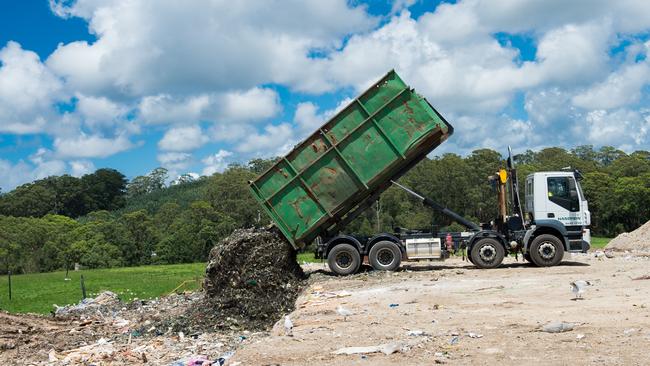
{"x":487,"y":253}
{"x":546,"y":250}
{"x":344,"y":259}
{"x":385,"y":256}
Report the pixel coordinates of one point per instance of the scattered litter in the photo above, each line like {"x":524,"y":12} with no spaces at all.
{"x":558,"y":327}
{"x":474,"y":335}
{"x":417,"y":333}
{"x":288,"y":326}
{"x":609,"y":254}
{"x":644,"y":277}
{"x":580,"y":336}
{"x":454,"y":340}
{"x":89,"y":306}
{"x":629,"y":331}
{"x":393,"y":305}
{"x":387,"y":349}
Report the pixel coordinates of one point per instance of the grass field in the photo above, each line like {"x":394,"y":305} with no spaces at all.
{"x":599,"y":242}
{"x":35,"y":293}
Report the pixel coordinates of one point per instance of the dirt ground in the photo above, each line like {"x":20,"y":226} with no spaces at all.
{"x":447,"y":312}
{"x":448,"y":301}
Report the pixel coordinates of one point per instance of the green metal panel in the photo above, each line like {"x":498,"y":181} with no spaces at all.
{"x":324,"y":180}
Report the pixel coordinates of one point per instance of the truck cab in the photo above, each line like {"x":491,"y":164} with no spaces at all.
{"x":555,"y":199}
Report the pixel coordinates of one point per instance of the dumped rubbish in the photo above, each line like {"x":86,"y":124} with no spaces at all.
{"x":558,"y":327}
{"x":629,"y":331}
{"x":580,"y":336}
{"x":417,"y":333}
{"x":454,"y":340}
{"x":393,"y":305}
{"x":474,"y":335}
{"x":246,"y":256}
{"x":106,"y":300}
{"x":387,"y":349}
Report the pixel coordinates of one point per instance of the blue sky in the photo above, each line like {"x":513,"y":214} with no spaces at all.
{"x":193,"y":86}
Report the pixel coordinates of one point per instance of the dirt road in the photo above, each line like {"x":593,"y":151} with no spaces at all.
{"x":503,"y":310}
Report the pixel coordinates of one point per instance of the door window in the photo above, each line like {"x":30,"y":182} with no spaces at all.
{"x":562,"y":192}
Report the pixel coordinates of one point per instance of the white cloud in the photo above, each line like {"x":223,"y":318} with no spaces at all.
{"x":250,"y":105}
{"x":91,"y":146}
{"x":27,"y":91}
{"x":99,"y":111}
{"x":175,"y":161}
{"x":163,"y":108}
{"x":240,"y":45}
{"x":183,"y":138}
{"x":619,"y":89}
{"x":274,"y":140}
{"x":216,"y":162}
{"x":81,"y":167}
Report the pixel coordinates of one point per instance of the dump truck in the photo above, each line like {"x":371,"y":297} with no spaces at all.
{"x":342,"y":168}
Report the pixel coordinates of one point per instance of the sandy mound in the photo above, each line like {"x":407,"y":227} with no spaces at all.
{"x":637,"y":240}
{"x":252,"y":279}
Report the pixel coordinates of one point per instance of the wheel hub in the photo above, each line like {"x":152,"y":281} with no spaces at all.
{"x":385,"y":257}
{"x":344,"y":260}
{"x":487,"y":253}
{"x":547,"y":250}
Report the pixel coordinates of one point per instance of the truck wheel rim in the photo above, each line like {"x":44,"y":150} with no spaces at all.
{"x":487,"y":253}
{"x":385,"y":257}
{"x":343,"y":260}
{"x":547,"y":250}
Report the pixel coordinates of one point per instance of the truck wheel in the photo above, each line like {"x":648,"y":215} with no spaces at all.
{"x":487,"y":253}
{"x":546,"y":250}
{"x":385,"y":256}
{"x":344,"y":259}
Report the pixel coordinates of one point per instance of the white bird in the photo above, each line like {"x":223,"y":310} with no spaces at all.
{"x":343,"y":312}
{"x":288,"y":325}
{"x":579,"y":287}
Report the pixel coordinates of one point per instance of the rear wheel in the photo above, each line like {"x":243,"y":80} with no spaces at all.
{"x":344,"y":259}
{"x":385,"y":256}
{"x":546,"y":250}
{"x":487,"y":253}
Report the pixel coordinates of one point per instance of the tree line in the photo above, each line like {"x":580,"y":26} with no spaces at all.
{"x":104,"y":220}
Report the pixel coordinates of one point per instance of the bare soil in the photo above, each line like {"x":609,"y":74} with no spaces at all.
{"x":447,"y":312}
{"x":637,"y":240}
{"x":503,"y":308}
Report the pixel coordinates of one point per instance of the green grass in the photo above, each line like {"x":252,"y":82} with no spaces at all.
{"x":35,"y":293}
{"x":599,"y":242}
{"x":307,"y":257}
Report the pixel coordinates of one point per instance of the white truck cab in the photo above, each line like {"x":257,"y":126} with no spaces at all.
{"x":557,"y":197}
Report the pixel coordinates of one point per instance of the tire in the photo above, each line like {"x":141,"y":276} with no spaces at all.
{"x":344,"y":259}
{"x":487,"y":253}
{"x":385,"y":256}
{"x":546,"y":250}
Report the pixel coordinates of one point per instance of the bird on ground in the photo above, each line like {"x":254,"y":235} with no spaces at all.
{"x":343,"y":312}
{"x":288,"y":326}
{"x":578,"y":288}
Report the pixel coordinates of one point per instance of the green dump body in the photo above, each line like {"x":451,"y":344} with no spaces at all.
{"x":339,"y":170}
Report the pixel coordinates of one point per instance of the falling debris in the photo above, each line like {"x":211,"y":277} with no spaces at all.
{"x":252,"y":279}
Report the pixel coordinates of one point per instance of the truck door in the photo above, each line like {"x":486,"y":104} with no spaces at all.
{"x":563,"y":200}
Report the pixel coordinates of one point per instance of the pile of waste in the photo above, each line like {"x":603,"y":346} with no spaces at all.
{"x":252,"y":279}
{"x":104,"y":302}
{"x":637,"y":240}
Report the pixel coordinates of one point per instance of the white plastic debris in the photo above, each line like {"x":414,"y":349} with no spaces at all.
{"x":558,"y":327}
